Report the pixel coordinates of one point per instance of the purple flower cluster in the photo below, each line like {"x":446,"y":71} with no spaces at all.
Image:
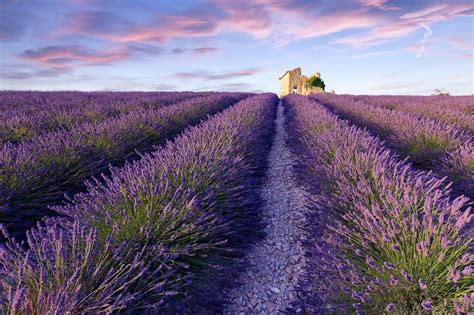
{"x":24,"y":115}
{"x":385,"y":222}
{"x":38,"y":172}
{"x":430,"y":144}
{"x":137,"y":240}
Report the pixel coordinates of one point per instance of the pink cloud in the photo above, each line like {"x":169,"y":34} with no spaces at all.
{"x":407,"y":24}
{"x":65,"y":56}
{"x":169,"y":27}
{"x":252,"y":17}
{"x":295,"y":19}
{"x":330,"y":23}
{"x":460,"y":43}
{"x":379,"y":4}
{"x":288,"y":20}
{"x":280,"y":21}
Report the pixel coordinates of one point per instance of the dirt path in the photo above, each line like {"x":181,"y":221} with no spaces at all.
{"x":276,"y":262}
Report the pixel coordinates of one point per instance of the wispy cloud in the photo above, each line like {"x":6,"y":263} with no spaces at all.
{"x":407,"y":24}
{"x":380,"y":4}
{"x":460,"y":43}
{"x":210,"y":76}
{"x":146,"y":49}
{"x":205,"y":50}
{"x":200,"y":50}
{"x":373,"y":54}
{"x":426,"y":36}
{"x":20,"y":72}
{"x":66,"y":56}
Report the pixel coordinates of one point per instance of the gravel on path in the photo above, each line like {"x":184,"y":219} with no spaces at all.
{"x":277,"y":262}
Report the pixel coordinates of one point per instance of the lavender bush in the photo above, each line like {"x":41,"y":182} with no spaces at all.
{"x":442,"y":147}
{"x":38,"y":172}
{"x":458,"y":110}
{"x":192,"y":202}
{"x":386,"y":238}
{"x":68,"y":270}
{"x":27,"y":114}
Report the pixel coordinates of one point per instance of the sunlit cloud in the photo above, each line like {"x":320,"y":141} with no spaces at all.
{"x":66,"y":56}
{"x":459,"y":43}
{"x":380,"y":4}
{"x":407,"y":24}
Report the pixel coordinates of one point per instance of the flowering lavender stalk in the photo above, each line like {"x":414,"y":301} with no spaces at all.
{"x":385,"y":221}
{"x":430,"y":144}
{"x":39,"y":172}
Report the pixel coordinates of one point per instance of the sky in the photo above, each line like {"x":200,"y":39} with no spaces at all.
{"x":358,"y":46}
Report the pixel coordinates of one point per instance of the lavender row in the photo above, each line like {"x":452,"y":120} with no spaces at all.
{"x":39,"y":172}
{"x":433,"y":145}
{"x":458,"y":110}
{"x":385,"y":237}
{"x":33,"y":102}
{"x":139,"y":241}
{"x":26,"y":114}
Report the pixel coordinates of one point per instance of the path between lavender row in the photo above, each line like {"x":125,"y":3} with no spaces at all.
{"x":276,"y":262}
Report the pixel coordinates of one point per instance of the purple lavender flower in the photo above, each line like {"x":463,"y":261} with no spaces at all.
{"x":422,"y":284}
{"x":390,"y":307}
{"x":371,"y":262}
{"x":393,"y":280}
{"x":445,"y":242}
{"x":388,"y":265}
{"x":456,"y":276}
{"x":467,"y":271}
{"x":405,"y":275}
{"x":4,"y":231}
{"x":427,"y":305}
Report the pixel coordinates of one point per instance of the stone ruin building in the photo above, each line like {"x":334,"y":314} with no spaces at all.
{"x":293,"y":82}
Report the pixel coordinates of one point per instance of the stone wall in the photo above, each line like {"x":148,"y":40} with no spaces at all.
{"x":290,"y":80}
{"x":284,"y":84}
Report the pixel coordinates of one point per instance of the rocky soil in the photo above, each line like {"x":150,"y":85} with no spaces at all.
{"x":276,"y":263}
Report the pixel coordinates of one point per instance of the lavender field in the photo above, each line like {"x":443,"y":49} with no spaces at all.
{"x":235,"y":203}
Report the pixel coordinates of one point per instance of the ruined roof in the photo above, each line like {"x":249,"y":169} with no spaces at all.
{"x":288,"y":71}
